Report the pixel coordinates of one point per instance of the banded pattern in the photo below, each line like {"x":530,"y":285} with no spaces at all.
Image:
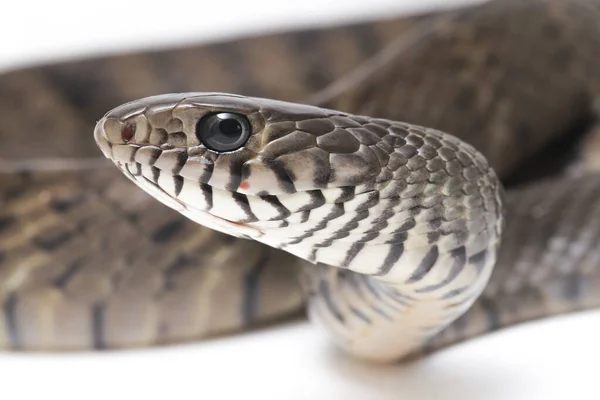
{"x":416,"y":209}
{"x":133,"y":286}
{"x":88,"y":262}
{"x":530,"y":50}
{"x":549,"y":258}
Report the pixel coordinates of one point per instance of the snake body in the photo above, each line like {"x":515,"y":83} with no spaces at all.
{"x":402,"y":233}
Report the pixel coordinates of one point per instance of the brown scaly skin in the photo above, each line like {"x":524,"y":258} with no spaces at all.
{"x":82,"y":267}
{"x":533,"y":51}
{"x":549,"y":259}
{"x":76,"y":246}
{"x":55,"y":107}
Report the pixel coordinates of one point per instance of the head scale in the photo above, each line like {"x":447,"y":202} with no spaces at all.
{"x":213,"y":153}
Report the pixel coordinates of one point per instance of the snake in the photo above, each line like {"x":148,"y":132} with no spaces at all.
{"x":408,"y":183}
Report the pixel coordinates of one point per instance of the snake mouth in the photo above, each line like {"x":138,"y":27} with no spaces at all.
{"x":248,"y":231}
{"x":201,"y":202}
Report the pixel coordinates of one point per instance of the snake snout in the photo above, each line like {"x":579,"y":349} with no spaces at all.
{"x":102,"y":140}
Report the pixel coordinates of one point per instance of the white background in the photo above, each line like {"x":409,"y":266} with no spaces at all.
{"x":552,"y":359}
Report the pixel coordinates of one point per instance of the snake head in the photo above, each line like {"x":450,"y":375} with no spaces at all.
{"x":240,"y":144}
{"x":234,"y":157}
{"x":305,"y":179}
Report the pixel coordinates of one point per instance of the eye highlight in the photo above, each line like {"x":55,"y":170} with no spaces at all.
{"x":223,"y":131}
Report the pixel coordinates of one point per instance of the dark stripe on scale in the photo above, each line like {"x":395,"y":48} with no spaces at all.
{"x":360,"y":315}
{"x":344,"y":231}
{"x":396,"y":251}
{"x":138,"y":169}
{"x":362,"y":212}
{"x":395,"y":296}
{"x":154,"y":154}
{"x":236,"y":172}
{"x":242,"y":201}
{"x":208,"y":195}
{"x":98,"y":334}
{"x":367,"y":282}
{"x":9,"y":220}
{"x":276,"y":204}
{"x":316,"y":200}
{"x":336,"y":211}
{"x":352,"y":253}
{"x":325,"y":292}
{"x":381,"y":222}
{"x":250,"y":304}
{"x":491,"y":312}
{"x":134,"y":151}
{"x":10,"y":317}
{"x":357,"y":281}
{"x":573,"y":286}
{"x":54,"y":240}
{"x":155,"y":174}
{"x":285,"y":178}
{"x":181,"y":157}
{"x":371,"y":200}
{"x":425,"y":266}
{"x":208,"y":165}
{"x":396,"y":242}
{"x":178,"y":183}
{"x":357,"y":247}
{"x":478,"y":260}
{"x":454,"y":293}
{"x":400,"y":234}
{"x":460,"y":259}
{"x":63,"y":279}
{"x":346,"y":195}
{"x":62,"y":206}
{"x":304,"y":216}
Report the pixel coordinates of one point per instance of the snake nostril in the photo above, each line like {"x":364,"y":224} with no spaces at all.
{"x":128,"y":131}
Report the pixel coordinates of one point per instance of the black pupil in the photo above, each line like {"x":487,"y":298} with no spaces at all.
{"x":223,"y":131}
{"x":230,"y":127}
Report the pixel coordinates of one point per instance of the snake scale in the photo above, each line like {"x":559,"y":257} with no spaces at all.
{"x":344,"y":193}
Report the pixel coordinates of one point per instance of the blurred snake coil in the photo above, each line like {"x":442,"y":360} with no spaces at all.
{"x":412,"y":182}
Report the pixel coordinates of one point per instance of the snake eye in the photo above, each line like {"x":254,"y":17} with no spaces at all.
{"x":223,"y":131}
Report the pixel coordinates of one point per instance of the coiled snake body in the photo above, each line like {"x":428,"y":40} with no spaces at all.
{"x":402,"y":234}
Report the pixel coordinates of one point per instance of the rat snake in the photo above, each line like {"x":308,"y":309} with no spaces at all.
{"x":403,"y":236}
